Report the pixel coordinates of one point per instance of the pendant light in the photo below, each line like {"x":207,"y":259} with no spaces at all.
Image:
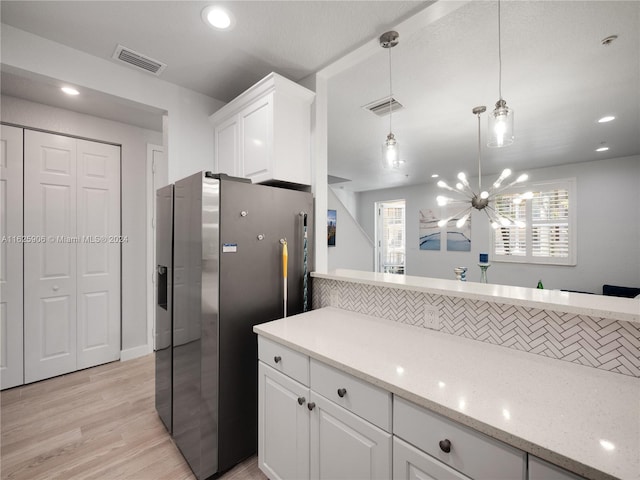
{"x":482,"y":200}
{"x":390,"y":147}
{"x":501,"y":119}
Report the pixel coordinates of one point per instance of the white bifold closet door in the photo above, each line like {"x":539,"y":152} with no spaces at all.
{"x":72,"y":271}
{"x":11,"y":356}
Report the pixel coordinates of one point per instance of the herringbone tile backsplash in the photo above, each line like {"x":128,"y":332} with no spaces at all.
{"x":596,"y":342}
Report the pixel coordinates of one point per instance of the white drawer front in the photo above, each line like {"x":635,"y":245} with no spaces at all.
{"x":471,"y":452}
{"x":409,"y":463}
{"x":366,"y":400}
{"x":284,"y":359}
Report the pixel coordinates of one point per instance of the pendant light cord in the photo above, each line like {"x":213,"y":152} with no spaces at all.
{"x":479,"y":167}
{"x":499,"y":54}
{"x":390,"y":91}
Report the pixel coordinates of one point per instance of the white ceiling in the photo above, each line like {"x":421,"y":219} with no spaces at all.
{"x":557,"y":76}
{"x":292,"y":38}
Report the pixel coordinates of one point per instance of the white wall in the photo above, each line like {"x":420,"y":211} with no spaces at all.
{"x":608,"y":230}
{"x":133,"y":153}
{"x":353,"y":248}
{"x":189,"y":136}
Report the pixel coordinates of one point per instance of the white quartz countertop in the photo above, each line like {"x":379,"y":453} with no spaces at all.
{"x":617,"y":308}
{"x":580,"y":418}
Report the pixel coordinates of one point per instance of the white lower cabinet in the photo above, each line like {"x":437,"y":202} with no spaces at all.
{"x":461,"y":448}
{"x":302,"y":434}
{"x":283,"y":425}
{"x":345,"y":446}
{"x":409,"y":463}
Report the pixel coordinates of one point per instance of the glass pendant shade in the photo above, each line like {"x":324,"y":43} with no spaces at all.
{"x":391,"y":152}
{"x":500,"y":125}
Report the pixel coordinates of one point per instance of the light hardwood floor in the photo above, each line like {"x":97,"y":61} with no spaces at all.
{"x":98,"y":423}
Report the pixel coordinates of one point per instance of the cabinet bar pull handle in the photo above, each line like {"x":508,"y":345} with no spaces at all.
{"x":311,"y":406}
{"x":445,"y":445}
{"x":342,"y":392}
{"x":277,"y":358}
{"x":301,"y":400}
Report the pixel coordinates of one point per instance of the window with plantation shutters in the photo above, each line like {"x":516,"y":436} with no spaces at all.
{"x":547,"y":227}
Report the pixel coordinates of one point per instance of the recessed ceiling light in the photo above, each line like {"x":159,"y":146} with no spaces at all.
{"x":606,"y":119}
{"x":70,"y":91}
{"x":602,"y":149}
{"x":218,"y":18}
{"x":435,"y":175}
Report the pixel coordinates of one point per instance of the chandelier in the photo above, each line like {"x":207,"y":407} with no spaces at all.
{"x":482,"y":200}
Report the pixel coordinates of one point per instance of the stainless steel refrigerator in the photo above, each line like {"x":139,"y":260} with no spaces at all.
{"x":220,"y":271}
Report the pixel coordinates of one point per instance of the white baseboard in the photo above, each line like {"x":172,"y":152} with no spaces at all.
{"x":135,"y":352}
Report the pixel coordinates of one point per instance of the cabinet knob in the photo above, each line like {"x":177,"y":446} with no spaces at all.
{"x":301,"y":400}
{"x":277,"y":358}
{"x":342,"y":392}
{"x":311,"y":406}
{"x":445,"y":445}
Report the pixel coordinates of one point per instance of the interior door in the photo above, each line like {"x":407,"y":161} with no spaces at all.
{"x":11,"y":318}
{"x":50,"y":260}
{"x":98,"y":253}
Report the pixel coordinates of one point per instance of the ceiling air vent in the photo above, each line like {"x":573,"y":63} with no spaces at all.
{"x":381,"y":107}
{"x":138,"y":60}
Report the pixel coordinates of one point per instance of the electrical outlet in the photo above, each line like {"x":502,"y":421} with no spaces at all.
{"x":432,"y":317}
{"x":333,"y":298}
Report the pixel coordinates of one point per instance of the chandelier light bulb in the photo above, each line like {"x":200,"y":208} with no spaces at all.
{"x":495,"y":225}
{"x":522,"y":178}
{"x":460,"y":223}
{"x":484,"y":194}
{"x":441,"y":200}
{"x":442,"y":223}
{"x":459,"y":186}
{"x":505,"y":173}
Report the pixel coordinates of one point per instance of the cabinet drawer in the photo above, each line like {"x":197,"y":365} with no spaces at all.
{"x":365,"y":400}
{"x":284,"y":359}
{"x":471,"y":452}
{"x":409,"y":463}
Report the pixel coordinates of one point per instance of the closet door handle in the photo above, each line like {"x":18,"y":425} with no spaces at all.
{"x":311,"y":406}
{"x":342,"y":392}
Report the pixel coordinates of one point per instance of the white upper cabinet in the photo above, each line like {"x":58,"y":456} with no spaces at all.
{"x":265,"y":133}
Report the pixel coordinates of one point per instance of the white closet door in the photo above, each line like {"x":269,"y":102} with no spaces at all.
{"x":11,"y":318}
{"x":50,"y":265}
{"x":98,"y":260}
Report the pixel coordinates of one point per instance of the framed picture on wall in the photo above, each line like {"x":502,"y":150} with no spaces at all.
{"x":331,"y":227}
